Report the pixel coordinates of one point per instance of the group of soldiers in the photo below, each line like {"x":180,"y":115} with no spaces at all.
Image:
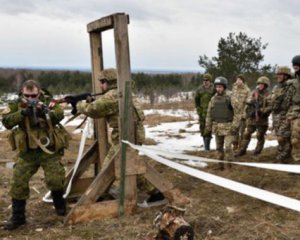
{"x":39,"y":139}
{"x":233,"y":116}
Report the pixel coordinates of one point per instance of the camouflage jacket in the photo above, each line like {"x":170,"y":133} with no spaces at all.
{"x":12,"y":117}
{"x":238,"y":99}
{"x":279,"y":100}
{"x":28,"y":131}
{"x":224,"y":128}
{"x":258,"y":108}
{"x":107,"y":106}
{"x":293,"y":97}
{"x":202,"y":98}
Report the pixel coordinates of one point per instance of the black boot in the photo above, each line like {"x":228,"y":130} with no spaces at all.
{"x":206,"y":141}
{"x":18,"y":215}
{"x":59,"y":202}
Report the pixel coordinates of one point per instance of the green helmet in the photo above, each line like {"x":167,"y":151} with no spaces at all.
{"x":283,"y":70}
{"x":265,"y":80}
{"x":221,"y":81}
{"x":207,"y":76}
{"x":109,"y":74}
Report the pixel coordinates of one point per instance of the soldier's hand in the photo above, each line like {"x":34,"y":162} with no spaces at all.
{"x":27,"y":112}
{"x":233,"y":131}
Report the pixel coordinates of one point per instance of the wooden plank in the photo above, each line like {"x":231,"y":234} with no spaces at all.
{"x":89,"y":157}
{"x":124,"y":77}
{"x":157,"y":180}
{"x":134,"y":165}
{"x":90,"y":212}
{"x":100,"y":184}
{"x":97,"y":66}
{"x":104,"y":23}
{"x":80,"y":186}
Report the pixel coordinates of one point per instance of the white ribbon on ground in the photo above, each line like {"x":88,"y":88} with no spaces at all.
{"x":271,"y":166}
{"x":261,"y":194}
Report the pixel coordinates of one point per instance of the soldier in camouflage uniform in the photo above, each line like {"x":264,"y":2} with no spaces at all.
{"x":293,"y":95}
{"x":33,"y":120}
{"x":257,"y":113}
{"x":107,"y":106}
{"x":202,"y":97}
{"x":220,"y":119}
{"x":280,"y":106}
{"x":240,"y":93}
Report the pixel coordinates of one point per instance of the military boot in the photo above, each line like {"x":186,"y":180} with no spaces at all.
{"x":243,"y":149}
{"x":259,"y":147}
{"x":206,"y":141}
{"x":18,"y":215}
{"x":59,"y":202}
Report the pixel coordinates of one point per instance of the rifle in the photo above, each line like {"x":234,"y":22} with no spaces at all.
{"x":32,"y":106}
{"x":257,"y":110}
{"x":73,"y":99}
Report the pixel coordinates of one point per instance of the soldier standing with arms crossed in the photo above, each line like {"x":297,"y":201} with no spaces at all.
{"x":293,"y":115}
{"x":40,"y":141}
{"x":240,"y":93}
{"x":202,"y":97}
{"x":280,"y":105}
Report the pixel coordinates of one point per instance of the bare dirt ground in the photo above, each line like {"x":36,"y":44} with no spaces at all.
{"x":214,"y":212}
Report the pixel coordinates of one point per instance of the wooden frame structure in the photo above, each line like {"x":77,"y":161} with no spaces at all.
{"x":90,"y":189}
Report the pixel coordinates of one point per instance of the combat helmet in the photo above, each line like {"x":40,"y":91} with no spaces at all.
{"x":109,"y":74}
{"x":207,"y":76}
{"x":221,"y":81}
{"x":283,"y":70}
{"x":296,"y":60}
{"x":265,"y":80}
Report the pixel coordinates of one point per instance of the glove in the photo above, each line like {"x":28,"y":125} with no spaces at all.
{"x":27,"y":112}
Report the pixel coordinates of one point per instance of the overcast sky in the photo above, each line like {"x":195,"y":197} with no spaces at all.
{"x":166,"y":34}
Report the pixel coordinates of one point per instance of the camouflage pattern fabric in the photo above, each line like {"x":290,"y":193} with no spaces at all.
{"x":107,"y":106}
{"x":293,"y":116}
{"x":221,"y":130}
{"x":27,"y":165}
{"x":30,"y":159}
{"x":260,"y":135}
{"x":202,"y":98}
{"x":240,"y":94}
{"x":264,"y":108}
{"x":281,"y":126}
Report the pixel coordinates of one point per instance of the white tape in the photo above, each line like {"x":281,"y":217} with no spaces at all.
{"x":223,"y":182}
{"x":272,"y":166}
{"x":86,"y":131}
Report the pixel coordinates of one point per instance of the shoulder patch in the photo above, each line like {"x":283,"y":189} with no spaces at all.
{"x":6,"y":110}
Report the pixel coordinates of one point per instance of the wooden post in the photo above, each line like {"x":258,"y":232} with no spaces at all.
{"x":124,"y":78}
{"x":97,"y":66}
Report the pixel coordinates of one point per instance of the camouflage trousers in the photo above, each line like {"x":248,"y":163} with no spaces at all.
{"x":237,"y":139}
{"x":227,"y":141}
{"x":142,"y":183}
{"x":202,"y":128}
{"x":260,"y":135}
{"x":27,"y":164}
{"x":295,"y":138}
{"x":282,"y":131}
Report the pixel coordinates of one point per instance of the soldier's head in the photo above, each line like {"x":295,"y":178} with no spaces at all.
{"x":108,"y":79}
{"x":296,"y":64}
{"x":283,"y":73}
{"x":220,"y":84}
{"x":207,"y":78}
{"x":262,"y":83}
{"x":240,"y":80}
{"x":31,"y":89}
